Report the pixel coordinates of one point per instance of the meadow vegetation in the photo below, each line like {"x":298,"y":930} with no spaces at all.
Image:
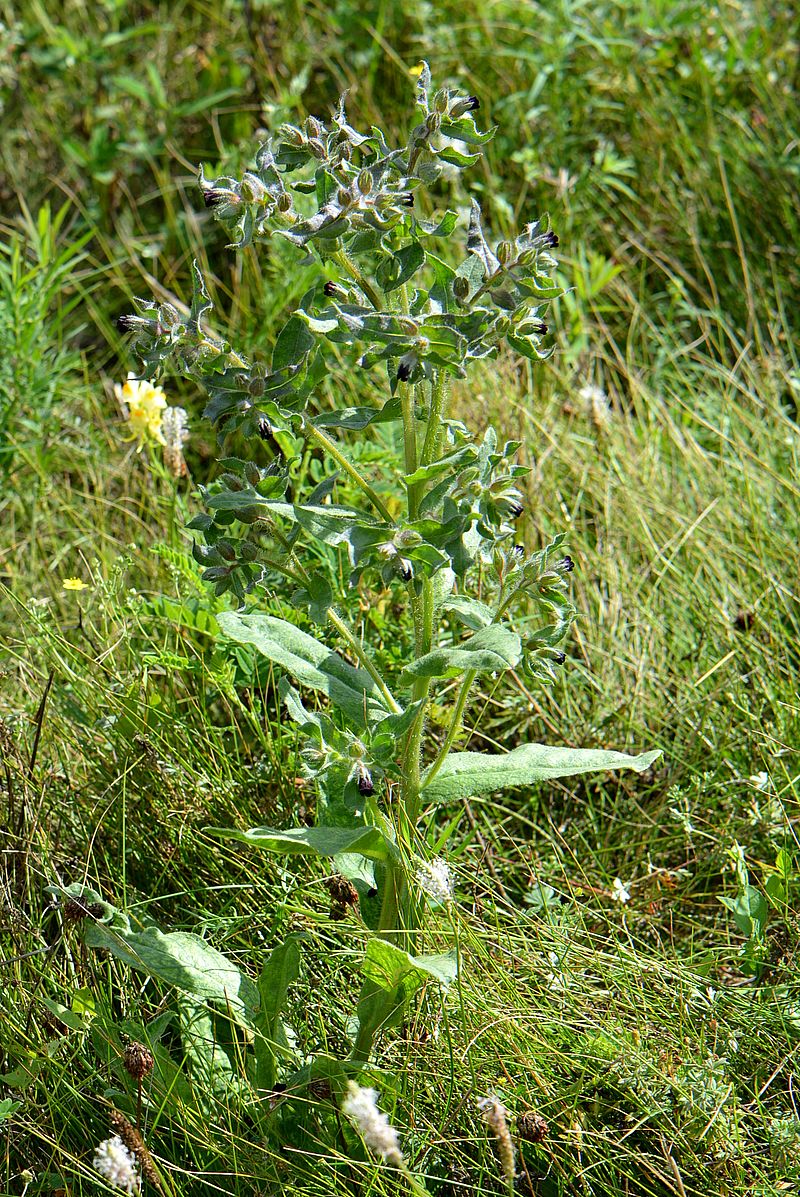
{"x":627,"y":941}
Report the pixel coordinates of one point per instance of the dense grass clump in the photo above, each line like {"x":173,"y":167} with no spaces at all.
{"x":628,"y":945}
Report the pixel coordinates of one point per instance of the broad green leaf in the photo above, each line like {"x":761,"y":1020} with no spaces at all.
{"x":490,"y":650}
{"x":308,"y":661}
{"x":466,"y":774}
{"x":281,"y":969}
{"x":293,"y":343}
{"x":472,"y":612}
{"x":749,"y":909}
{"x":314,"y":841}
{"x":180,"y":959}
{"x":391,"y":978}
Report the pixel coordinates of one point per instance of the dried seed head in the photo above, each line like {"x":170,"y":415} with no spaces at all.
{"x":532,"y":1127}
{"x":495,"y":1115}
{"x":138,"y":1060}
{"x":75,"y":911}
{"x":137,"y":1147}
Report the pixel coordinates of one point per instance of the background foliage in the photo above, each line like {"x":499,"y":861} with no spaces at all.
{"x":657,"y":1036}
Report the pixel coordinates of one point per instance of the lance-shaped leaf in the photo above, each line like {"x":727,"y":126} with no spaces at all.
{"x":311,"y":663}
{"x":278,"y":973}
{"x":391,"y":978}
{"x":180,"y":959}
{"x":467,"y":774}
{"x":490,"y":650}
{"x":314,"y":841}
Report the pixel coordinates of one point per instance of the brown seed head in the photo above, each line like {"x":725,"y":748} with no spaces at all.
{"x":532,"y":1127}
{"x":75,"y":911}
{"x":138,"y":1060}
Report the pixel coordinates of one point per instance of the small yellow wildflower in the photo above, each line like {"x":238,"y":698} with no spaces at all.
{"x":74,"y":584}
{"x":417,"y":70}
{"x":143,"y":405}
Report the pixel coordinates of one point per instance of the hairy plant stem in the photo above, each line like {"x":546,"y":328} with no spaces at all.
{"x":332,"y":449}
{"x":352,"y":641}
{"x":455,"y":725}
{"x":349,"y":267}
{"x":360,"y":652}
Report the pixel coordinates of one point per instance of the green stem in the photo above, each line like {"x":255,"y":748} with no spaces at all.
{"x":430,"y":448}
{"x":349,"y":267}
{"x":360,"y":652}
{"x":331,"y":448}
{"x":455,"y":725}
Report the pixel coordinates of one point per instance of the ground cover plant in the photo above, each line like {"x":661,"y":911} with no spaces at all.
{"x":627,"y":941}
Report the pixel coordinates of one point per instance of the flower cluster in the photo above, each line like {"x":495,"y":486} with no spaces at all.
{"x":361,"y":1108}
{"x":143,"y":406}
{"x":116,"y":1164}
{"x":433,"y":878}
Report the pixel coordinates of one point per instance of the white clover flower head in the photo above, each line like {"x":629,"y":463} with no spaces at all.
{"x":360,"y":1106}
{"x":116,"y":1164}
{"x":433,"y":878}
{"x":759,"y":780}
{"x":597,"y":404}
{"x":143,"y":406}
{"x":620,"y":891}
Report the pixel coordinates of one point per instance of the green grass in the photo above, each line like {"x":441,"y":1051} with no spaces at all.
{"x":656,"y":1044}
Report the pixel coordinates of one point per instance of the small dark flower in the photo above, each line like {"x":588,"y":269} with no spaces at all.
{"x":215,"y":196}
{"x":518,"y":550}
{"x":551,"y":239}
{"x":264,"y":428}
{"x":560,"y":657}
{"x":539,"y":327}
{"x":127,"y":323}
{"x":407,"y":199}
{"x":566,"y":564}
{"x":473,"y":103}
{"x":366,"y":785}
{"x":405,"y":569}
{"x":515,"y":510}
{"x":331,"y":288}
{"x":403,"y":370}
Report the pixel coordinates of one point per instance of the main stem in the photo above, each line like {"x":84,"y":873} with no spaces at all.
{"x":397,"y":911}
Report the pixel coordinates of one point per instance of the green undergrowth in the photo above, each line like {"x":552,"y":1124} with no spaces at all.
{"x":655,"y":1036}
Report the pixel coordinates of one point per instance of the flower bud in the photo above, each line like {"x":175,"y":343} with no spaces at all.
{"x":252,"y":189}
{"x":505,"y":252}
{"x":215,"y":197}
{"x":256,"y":385}
{"x":440,"y":102}
{"x":433,"y":124}
{"x":283,"y":202}
{"x":343,"y":198}
{"x":291,"y":135}
{"x":460,"y":287}
{"x":364,"y":182}
{"x":248,"y":551}
{"x":252,"y":473}
{"x":314,"y":127}
{"x":317,"y":147}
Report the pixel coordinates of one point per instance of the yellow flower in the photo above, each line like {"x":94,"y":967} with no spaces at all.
{"x":417,"y":70}
{"x":143,"y":405}
{"x":74,"y":584}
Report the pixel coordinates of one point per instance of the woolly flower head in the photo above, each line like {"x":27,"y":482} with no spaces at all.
{"x":361,"y":1108}
{"x":174,"y":435}
{"x":433,"y":878}
{"x":143,"y":406}
{"x":116,"y":1164}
